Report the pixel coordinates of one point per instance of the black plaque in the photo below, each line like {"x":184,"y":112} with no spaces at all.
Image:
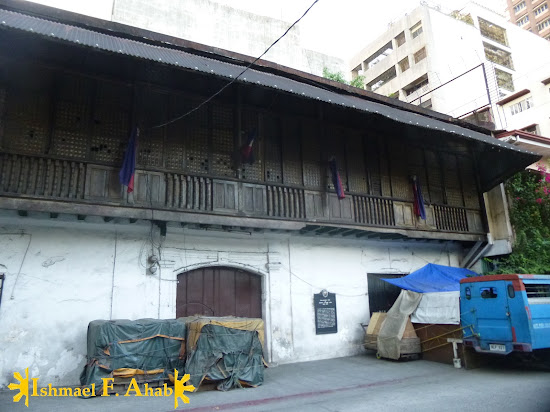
{"x":325,"y":313}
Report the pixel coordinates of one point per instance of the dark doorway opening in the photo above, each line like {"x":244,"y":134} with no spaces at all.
{"x":382,"y":295}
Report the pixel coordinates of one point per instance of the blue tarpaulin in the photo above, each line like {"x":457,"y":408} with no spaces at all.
{"x":433,"y":278}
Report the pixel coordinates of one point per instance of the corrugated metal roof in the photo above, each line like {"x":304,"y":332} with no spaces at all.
{"x":186,"y":60}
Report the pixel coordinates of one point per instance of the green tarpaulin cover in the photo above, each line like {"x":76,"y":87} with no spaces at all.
{"x":144,"y":344}
{"x":223,"y":349}
{"x":227,"y":349}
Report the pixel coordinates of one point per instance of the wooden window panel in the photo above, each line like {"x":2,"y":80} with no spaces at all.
{"x":292,"y":159}
{"x":469,"y":186}
{"x":223,"y":146}
{"x":435,"y":177}
{"x":27,"y":119}
{"x":249,"y":122}
{"x":111,"y":125}
{"x":452,"y":180}
{"x":400,"y":181}
{"x":336,"y":144}
{"x":373,"y":165}
{"x":271,"y":132}
{"x":311,"y":151}
{"x":357,"y":176}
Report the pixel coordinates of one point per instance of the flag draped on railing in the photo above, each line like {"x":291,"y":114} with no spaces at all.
{"x":419,"y":209}
{"x":247,"y":150}
{"x":128,"y":168}
{"x":336,"y":181}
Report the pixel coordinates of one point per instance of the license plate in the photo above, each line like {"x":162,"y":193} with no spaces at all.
{"x":497,"y":348}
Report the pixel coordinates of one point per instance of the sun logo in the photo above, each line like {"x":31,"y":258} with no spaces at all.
{"x":180,"y":388}
{"x":23,"y":387}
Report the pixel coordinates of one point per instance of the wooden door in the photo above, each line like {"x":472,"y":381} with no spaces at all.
{"x":219,"y":291}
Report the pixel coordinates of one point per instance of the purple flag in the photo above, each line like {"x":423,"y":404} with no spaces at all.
{"x":128,"y":169}
{"x":336,"y":181}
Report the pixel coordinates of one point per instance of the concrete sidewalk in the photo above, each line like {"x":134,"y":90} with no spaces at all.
{"x":359,"y":383}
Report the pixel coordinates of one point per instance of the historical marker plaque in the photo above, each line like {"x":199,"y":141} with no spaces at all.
{"x":325,"y":313}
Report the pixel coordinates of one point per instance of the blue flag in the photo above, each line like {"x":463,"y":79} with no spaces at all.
{"x":419,"y":209}
{"x":128,"y":169}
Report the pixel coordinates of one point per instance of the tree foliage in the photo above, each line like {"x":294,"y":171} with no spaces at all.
{"x":530,"y":215}
{"x":359,"y":81}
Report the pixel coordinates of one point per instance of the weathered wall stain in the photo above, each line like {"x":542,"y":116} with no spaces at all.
{"x":52,"y":261}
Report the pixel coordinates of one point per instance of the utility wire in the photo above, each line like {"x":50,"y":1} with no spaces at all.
{"x":237,"y":77}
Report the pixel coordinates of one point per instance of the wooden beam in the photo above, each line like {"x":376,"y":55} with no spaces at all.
{"x":128,"y":212}
{"x":348,"y":232}
{"x":327,"y":229}
{"x":309,"y":229}
{"x":134,"y":213}
{"x":333,"y":233}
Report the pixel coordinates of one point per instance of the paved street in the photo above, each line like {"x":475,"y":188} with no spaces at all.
{"x":360,"y":383}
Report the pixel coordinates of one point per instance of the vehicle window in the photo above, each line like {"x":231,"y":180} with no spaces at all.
{"x":468,"y":293}
{"x":488,"y":293}
{"x":511,"y":291}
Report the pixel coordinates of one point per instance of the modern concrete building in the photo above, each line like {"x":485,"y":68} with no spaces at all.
{"x":211,"y":23}
{"x":531,"y":15}
{"x":471,"y":64}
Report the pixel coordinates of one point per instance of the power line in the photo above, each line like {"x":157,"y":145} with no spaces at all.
{"x":240,"y":74}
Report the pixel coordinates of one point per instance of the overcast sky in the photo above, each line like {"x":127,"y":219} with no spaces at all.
{"x":335,"y":27}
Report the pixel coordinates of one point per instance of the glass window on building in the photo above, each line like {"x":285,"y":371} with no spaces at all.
{"x":541,"y":9}
{"x":379,"y":55}
{"x":400,"y":39}
{"x":404,"y":64}
{"x":543,"y":25}
{"x":504,"y":80}
{"x":420,"y":55}
{"x":416,"y":30}
{"x":519,"y":7}
{"x":521,"y":106}
{"x":534,"y":128}
{"x":427,"y":104}
{"x":492,"y":31}
{"x":524,"y":20}
{"x":498,"y":56}
{"x":382,"y":79}
{"x":419,"y":84}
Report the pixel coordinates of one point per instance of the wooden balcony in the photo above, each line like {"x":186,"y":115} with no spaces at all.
{"x":48,"y":184}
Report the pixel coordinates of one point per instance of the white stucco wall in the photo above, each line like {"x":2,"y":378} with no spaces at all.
{"x":62,"y":275}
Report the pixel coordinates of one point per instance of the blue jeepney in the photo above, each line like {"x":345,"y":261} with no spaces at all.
{"x":506,"y":313}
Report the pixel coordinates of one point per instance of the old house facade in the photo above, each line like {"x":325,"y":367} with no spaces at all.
{"x":206,"y":231}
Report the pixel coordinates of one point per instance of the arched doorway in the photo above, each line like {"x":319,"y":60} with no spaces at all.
{"x":219,"y":291}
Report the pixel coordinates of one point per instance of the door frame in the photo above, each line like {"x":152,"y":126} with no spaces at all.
{"x":265,"y":290}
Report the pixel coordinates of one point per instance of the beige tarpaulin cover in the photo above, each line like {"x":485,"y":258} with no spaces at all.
{"x":438,"y":307}
{"x":392,"y":329}
{"x":194,"y":328}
